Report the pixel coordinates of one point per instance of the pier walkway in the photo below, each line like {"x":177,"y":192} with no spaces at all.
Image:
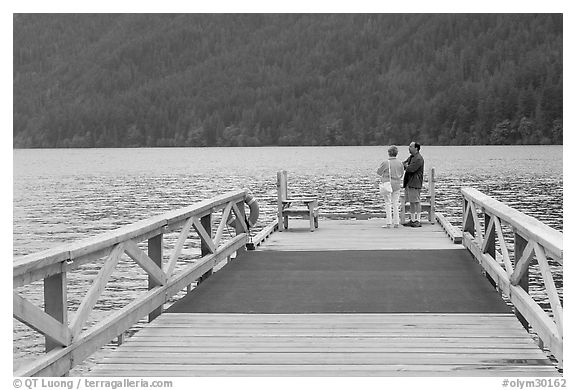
{"x":346,"y":297}
{"x":349,"y":299}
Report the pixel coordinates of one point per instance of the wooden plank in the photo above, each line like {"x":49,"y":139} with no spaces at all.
{"x":454,"y":233}
{"x":239,"y":218}
{"x":277,"y":344}
{"x":147,"y":264}
{"x":242,"y":353}
{"x":265,"y":233}
{"x":467,"y":222}
{"x":34,"y":317}
{"x":477,"y":227}
{"x":205,"y":237}
{"x":338,"y":318}
{"x":169,"y":268}
{"x":174,"y":344}
{"x":503,"y":248}
{"x":322,"y":372}
{"x":428,"y":318}
{"x":477,"y":370}
{"x":96,"y":289}
{"x":504,"y":353}
{"x":399,"y":324}
{"x":293,"y":212}
{"x":204,"y":207}
{"x":29,"y":263}
{"x":155,"y":253}
{"x":321,"y":333}
{"x":398,"y":337}
{"x":377,"y":326}
{"x":356,"y":326}
{"x":522,"y":264}
{"x":330,"y":357}
{"x":222,"y":225}
{"x":488,"y":243}
{"x":109,"y":239}
{"x":310,"y":368}
{"x":551,"y":290}
{"x":520,"y":244}
{"x":55,"y":303}
{"x":301,"y":199}
{"x":39,"y":273}
{"x":357,"y":344}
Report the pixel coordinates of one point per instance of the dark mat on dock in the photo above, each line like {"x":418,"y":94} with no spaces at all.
{"x":394,"y":281}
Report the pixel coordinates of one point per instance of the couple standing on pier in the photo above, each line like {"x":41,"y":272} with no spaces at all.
{"x":391,"y":172}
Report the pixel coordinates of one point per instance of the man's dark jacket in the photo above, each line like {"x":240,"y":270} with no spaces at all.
{"x":414,"y":175}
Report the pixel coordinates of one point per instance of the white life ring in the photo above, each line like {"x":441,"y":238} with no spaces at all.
{"x":254,"y":212}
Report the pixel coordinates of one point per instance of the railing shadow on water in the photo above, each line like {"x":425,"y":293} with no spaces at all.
{"x":70,"y":341}
{"x":487,"y":225}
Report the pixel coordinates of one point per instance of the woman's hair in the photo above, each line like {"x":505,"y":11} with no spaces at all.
{"x":393,"y":151}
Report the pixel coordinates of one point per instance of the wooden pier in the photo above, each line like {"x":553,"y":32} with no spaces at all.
{"x":349,"y":299}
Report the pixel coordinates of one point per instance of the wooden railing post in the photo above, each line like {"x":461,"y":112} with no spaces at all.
{"x":206,"y":222}
{"x":520,"y":244}
{"x":432,"y":188}
{"x":467,"y":220}
{"x":489,"y":243}
{"x":155,"y":253}
{"x":282,"y":191}
{"x":239,"y":228}
{"x":55,"y":302}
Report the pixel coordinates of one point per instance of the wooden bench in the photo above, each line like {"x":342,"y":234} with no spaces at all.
{"x":286,"y":204}
{"x":427,"y":201}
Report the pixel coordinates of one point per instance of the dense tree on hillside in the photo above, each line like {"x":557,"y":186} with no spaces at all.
{"x":249,"y":80}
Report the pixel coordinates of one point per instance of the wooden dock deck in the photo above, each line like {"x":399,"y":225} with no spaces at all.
{"x":199,"y":344}
{"x":356,"y":235}
{"x":346,"y":297}
{"x":350,"y":299}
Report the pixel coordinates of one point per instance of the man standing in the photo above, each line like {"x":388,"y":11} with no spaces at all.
{"x":413,"y":179}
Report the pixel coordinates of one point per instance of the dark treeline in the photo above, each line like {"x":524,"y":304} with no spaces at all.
{"x":286,"y":79}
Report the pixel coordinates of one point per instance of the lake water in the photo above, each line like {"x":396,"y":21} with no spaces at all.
{"x":62,"y":195}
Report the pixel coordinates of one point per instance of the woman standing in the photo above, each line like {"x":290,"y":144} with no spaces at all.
{"x":391,"y":172}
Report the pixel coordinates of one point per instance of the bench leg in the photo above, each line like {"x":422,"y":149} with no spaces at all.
{"x":285,"y":222}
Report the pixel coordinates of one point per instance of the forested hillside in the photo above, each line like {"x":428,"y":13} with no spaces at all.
{"x":130,"y":80}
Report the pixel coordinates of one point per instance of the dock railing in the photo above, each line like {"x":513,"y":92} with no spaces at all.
{"x":69,"y":342}
{"x":531,"y":239}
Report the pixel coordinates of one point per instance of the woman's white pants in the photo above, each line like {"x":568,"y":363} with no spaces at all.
{"x":392,"y":207}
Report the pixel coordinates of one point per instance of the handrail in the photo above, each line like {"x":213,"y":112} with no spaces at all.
{"x":69,"y":342}
{"x":529,"y":227}
{"x":532,"y":239}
